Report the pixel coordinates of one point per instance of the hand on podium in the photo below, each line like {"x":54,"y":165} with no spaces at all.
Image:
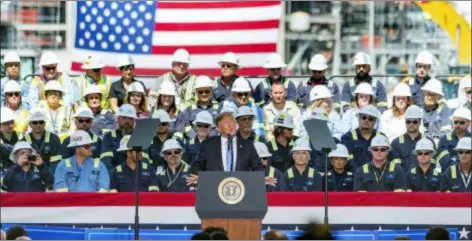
{"x":270,"y":181}
{"x":192,"y":179}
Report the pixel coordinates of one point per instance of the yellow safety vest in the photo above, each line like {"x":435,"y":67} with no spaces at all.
{"x":59,"y":125}
{"x":104,"y":84}
{"x":40,"y":85}
{"x":311,"y":173}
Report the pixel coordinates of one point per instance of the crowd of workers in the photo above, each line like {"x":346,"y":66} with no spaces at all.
{"x":70,"y":134}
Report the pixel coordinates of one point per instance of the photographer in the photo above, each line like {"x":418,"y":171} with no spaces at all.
{"x":29,"y":174}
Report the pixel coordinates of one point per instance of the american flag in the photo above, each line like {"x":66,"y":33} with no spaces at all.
{"x":152,"y":30}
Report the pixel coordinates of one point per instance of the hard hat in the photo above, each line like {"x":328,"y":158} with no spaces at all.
{"x":204,"y":117}
{"x":136,"y":87}
{"x":124,"y":143}
{"x":167,"y":88}
{"x":11,"y":57}
{"x":241,"y":85}
{"x":362,"y":58}
{"x":424,"y":57}
{"x":262,"y":150}
{"x":203,"y":81}
{"x":245,"y":111}
{"x":127,"y":110}
{"x":413,"y":112}
{"x":462,"y":112}
{"x":301,"y":144}
{"x":12,"y":86}
{"x":319,"y":114}
{"x":320,"y":92}
{"x":467,"y":82}
{"x":84,"y":112}
{"x":229,"y":57}
{"x":37,"y":115}
{"x":364,"y":88}
{"x":464,"y":144}
{"x":379,"y":141}
{"x":125,"y":60}
{"x":18,"y":146}
{"x":171,"y":144}
{"x":182,"y":56}
{"x":92,"y":89}
{"x":402,"y":89}
{"x":341,"y":151}
{"x":435,"y":86}
{"x":80,"y":138}
{"x":285,"y":120}
{"x":369,"y":110}
{"x":162,"y":115}
{"x":93,"y":62}
{"x":274,"y":61}
{"x":48,"y":58}
{"x":54,"y":85}
{"x":424,"y":144}
{"x":7,"y":115}
{"x":318,"y":63}
{"x":224,"y":110}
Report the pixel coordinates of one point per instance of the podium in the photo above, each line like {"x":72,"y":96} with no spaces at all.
{"x":235,"y":201}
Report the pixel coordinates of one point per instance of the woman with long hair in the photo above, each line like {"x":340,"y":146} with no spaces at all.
{"x":364,"y":95}
{"x":166,"y":101}
{"x":136,"y":96}
{"x":392,"y":122}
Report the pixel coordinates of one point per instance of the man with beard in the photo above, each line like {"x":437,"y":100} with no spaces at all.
{"x":457,"y":177}
{"x":362,"y":63}
{"x":245,"y":118}
{"x":423,"y":63}
{"x":111,"y":140}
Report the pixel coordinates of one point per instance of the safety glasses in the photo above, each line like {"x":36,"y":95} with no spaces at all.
{"x":366,"y":117}
{"x":50,"y":68}
{"x":245,"y":94}
{"x":206,"y":92}
{"x":88,"y":147}
{"x":11,"y":94}
{"x":246,"y":118}
{"x":459,"y":122}
{"x":87,"y":121}
{"x":276,"y":69}
{"x":383,"y":149}
{"x":226,"y":66}
{"x":462,"y":152}
{"x":35,"y":123}
{"x":201,"y":125}
{"x":316,"y":72}
{"x":97,"y":70}
{"x":164,"y":124}
{"x":176,"y":152}
{"x":414,"y":122}
{"x":469,"y":92}
{"x":423,"y":153}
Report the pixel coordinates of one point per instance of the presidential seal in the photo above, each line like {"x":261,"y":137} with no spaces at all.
{"x":231,"y":190}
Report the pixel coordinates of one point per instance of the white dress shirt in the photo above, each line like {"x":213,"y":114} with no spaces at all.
{"x":224,"y":146}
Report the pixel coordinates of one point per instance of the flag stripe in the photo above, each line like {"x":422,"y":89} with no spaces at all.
{"x":211,"y":4}
{"x":217,"y":49}
{"x":225,"y":26}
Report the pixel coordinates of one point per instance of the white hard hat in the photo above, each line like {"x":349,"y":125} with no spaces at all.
{"x":462,"y":112}
{"x":413,"y":112}
{"x":284,"y":120}
{"x":203,"y":81}
{"x":80,"y":138}
{"x":182,"y":56}
{"x":319,"y":114}
{"x":37,"y":115}
{"x":379,"y":141}
{"x":262,"y":150}
{"x":435,"y":86}
{"x":341,"y":151}
{"x":167,"y":88}
{"x":54,"y":85}
{"x":464,"y":144}
{"x":84,"y":112}
{"x":204,"y":117}
{"x":362,"y":58}
{"x":127,"y":110}
{"x":124,"y":143}
{"x":11,"y":57}
{"x":92,"y":89}
{"x":12,"y":86}
{"x":48,"y":58}
{"x":125,"y":60}
{"x":136,"y":87}
{"x":171,"y":144}
{"x":229,"y":57}
{"x":241,"y":85}
{"x":162,"y":115}
{"x":318,"y":63}
{"x":402,"y":89}
{"x":274,"y":61}
{"x":320,"y":92}
{"x":364,"y":88}
{"x":369,"y":110}
{"x":424,"y":57}
{"x":245,"y":111}
{"x":424,"y":144}
{"x":93,"y":62}
{"x":7,"y":115}
{"x":301,"y":144}
{"x":18,"y":146}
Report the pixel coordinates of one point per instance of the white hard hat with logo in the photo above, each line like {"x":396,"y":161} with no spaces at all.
{"x":424,"y":57}
{"x":262,"y":150}
{"x":92,"y":89}
{"x":464,"y":143}
{"x":424,"y":144}
{"x":229,"y":57}
{"x":284,"y":120}
{"x":93,"y":62}
{"x":379,"y":141}
{"x":124,"y":60}
{"x":12,"y":86}
{"x":241,"y":85}
{"x":11,"y":57}
{"x":84,"y":112}
{"x":171,"y":144}
{"x":341,"y":151}
{"x":364,"y":88}
{"x":127,"y":110}
{"x":362,"y":58}
{"x":162,"y":115}
{"x":80,"y":138}
{"x":245,"y":111}
{"x":320,"y":92}
{"x":204,"y":117}
{"x":369,"y":110}
{"x":414,"y":112}
{"x":167,"y":88}
{"x":462,"y":112}
{"x":124,"y":144}
{"x":434,"y":86}
{"x":318,"y":63}
{"x":48,"y":58}
{"x":54,"y":85}
{"x":402,"y":89}
{"x":37,"y":115}
{"x":19,"y":146}
{"x":136,"y":87}
{"x":301,"y":144}
{"x":274,"y":61}
{"x":7,"y":115}
{"x":182,"y":56}
{"x":203,"y":81}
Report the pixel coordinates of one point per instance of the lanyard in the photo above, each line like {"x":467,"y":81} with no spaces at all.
{"x":378,"y":179}
{"x":54,"y":119}
{"x":171,"y":181}
{"x":466,"y":179}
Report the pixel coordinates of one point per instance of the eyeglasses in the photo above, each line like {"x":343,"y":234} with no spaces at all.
{"x":276,"y":69}
{"x":93,"y":98}
{"x":421,"y":153}
{"x":53,"y":92}
{"x":316,"y":72}
{"x":16,"y":94}
{"x":415,"y":122}
{"x":96,"y":70}
{"x":264,"y":158}
{"x":226,"y":66}
{"x":287,"y":129}
{"x":459,"y":122}
{"x":128,"y":67}
{"x":375,"y":149}
{"x":200,"y":125}
{"x":422,"y":66}
{"x":81,"y":121}
{"x":37,"y":123}
{"x":50,"y":68}
{"x":176,"y":152}
{"x":87,"y":146}
{"x":242,"y":94}
{"x":246,"y":118}
{"x":164,"y":124}
{"x":462,"y":152}
{"x":469,"y":92}
{"x":366,"y":117}
{"x":201,"y":92}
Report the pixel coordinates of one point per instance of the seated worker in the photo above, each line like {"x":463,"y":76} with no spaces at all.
{"x":423,"y":176}
{"x":339,"y":179}
{"x":274,"y":178}
{"x":450,"y":181}
{"x":174,"y":177}
{"x":203,"y":125}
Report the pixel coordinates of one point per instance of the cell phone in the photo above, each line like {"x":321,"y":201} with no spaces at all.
{"x":31,"y":158}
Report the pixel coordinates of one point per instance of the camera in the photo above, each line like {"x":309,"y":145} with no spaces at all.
{"x":32,"y":158}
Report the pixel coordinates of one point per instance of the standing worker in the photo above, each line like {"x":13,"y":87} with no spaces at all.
{"x":339,"y":179}
{"x":423,"y":63}
{"x":423,"y":176}
{"x":457,"y":178}
{"x":162,"y":135}
{"x":273,"y":178}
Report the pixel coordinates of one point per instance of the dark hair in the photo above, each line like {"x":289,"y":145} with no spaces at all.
{"x":316,"y":232}
{"x":200,"y":236}
{"x":275,"y":235}
{"x":15,"y":232}
{"x":219,"y":236}
{"x":278,"y":130}
{"x":437,"y":233}
{"x":211,"y":230}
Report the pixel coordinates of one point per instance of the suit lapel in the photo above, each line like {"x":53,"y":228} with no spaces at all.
{"x":238,"y":150}
{"x":219,"y":152}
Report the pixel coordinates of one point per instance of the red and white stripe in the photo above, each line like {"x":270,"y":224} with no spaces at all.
{"x":284,"y":208}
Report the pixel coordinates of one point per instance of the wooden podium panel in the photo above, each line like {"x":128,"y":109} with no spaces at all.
{"x":238,"y":229}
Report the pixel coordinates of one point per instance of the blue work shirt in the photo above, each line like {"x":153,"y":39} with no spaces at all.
{"x":103,"y":121}
{"x":48,"y":147}
{"x":389,"y":177}
{"x":358,"y":147}
{"x":271,"y":171}
{"x":266,"y":85}
{"x":92,"y":176}
{"x":309,"y":180}
{"x":24,"y":85}
{"x":347,"y":96}
{"x":454,"y":180}
{"x":184,"y":122}
{"x":402,"y":151}
{"x":304,"y":89}
{"x":169,"y":181}
{"x":67,"y":152}
{"x":436,"y":121}
{"x":258,"y":123}
{"x":36,"y":179}
{"x":281,"y":155}
{"x":447,"y":156}
{"x":339,"y":182}
{"x":123,"y":178}
{"x":418,"y":181}
{"x":416,"y":91}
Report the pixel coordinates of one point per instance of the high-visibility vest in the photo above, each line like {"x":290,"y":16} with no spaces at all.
{"x":311,"y":173}
{"x":40,"y":85}
{"x":104,"y":84}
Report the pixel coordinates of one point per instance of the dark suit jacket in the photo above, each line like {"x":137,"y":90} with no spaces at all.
{"x":209,"y":157}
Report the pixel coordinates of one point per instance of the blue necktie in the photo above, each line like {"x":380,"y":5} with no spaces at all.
{"x":229,"y":155}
